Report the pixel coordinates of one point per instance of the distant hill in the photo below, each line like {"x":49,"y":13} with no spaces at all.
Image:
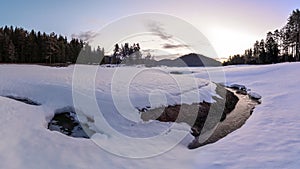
{"x":189,"y":60}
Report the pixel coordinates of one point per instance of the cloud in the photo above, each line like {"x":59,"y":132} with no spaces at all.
{"x":158,"y":29}
{"x":148,"y":50}
{"x":87,"y":36}
{"x":146,"y":41}
{"x":171,"y":46}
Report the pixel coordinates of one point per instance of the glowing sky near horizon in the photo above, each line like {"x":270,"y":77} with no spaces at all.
{"x":231,"y":26}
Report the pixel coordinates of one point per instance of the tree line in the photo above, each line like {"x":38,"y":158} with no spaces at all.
{"x":21,"y":46}
{"x":279,"y":46}
{"x":122,"y":54}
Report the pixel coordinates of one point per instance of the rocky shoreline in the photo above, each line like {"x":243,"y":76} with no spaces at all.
{"x":213,"y":121}
{"x":234,"y":120}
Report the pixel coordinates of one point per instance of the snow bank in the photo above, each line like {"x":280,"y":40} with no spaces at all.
{"x":269,"y":139}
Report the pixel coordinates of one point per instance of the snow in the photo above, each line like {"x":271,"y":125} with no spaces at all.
{"x":269,"y":139}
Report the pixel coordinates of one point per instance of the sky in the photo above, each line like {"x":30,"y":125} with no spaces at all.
{"x":230,"y":26}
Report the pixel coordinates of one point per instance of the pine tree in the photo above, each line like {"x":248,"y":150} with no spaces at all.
{"x":272,"y":50}
{"x":248,"y":56}
{"x":11,"y":51}
{"x":51,"y":48}
{"x":291,"y":37}
{"x":256,"y":51}
{"x":114,"y":59}
{"x":262,"y":52}
{"x":1,"y":45}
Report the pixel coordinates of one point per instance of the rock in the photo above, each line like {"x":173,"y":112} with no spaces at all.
{"x":194,"y":144}
{"x":195,"y":131}
{"x":224,"y":115}
{"x":238,"y":87}
{"x":243,"y":92}
{"x":254,"y":96}
{"x":230,"y":99}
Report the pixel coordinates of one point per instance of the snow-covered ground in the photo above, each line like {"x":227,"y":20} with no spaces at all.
{"x":269,"y":139}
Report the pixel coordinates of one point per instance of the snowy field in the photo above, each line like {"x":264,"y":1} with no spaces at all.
{"x":269,"y":139}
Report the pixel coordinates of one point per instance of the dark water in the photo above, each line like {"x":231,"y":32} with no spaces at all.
{"x":68,"y":124}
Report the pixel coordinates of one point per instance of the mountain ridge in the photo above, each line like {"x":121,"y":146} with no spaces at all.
{"x":188,"y":60}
